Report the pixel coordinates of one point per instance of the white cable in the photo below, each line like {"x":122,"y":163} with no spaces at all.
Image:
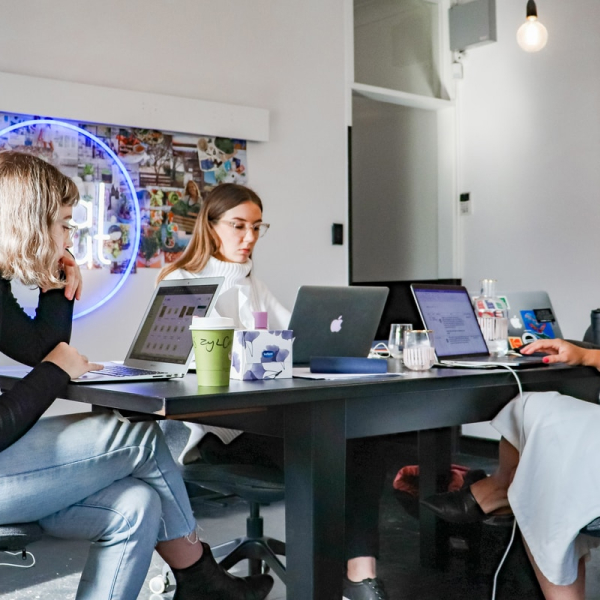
{"x":522,"y":442}
{"x":19,"y":566}
{"x":512,"y":537}
{"x":380,"y":350}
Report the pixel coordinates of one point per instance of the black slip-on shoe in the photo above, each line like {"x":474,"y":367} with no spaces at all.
{"x":367,"y":589}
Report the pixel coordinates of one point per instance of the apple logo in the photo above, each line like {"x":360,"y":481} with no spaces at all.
{"x":336,"y":324}
{"x":516,"y":322}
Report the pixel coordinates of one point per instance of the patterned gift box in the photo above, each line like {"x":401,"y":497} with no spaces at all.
{"x":261,"y":354}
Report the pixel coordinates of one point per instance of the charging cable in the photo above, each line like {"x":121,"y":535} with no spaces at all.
{"x":521,"y":444}
{"x":19,"y":566}
{"x":380,"y":350}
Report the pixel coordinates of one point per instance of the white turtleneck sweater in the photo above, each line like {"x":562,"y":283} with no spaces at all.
{"x":240,"y":295}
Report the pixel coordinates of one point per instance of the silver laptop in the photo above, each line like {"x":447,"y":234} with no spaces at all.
{"x":335,"y":321}
{"x":448,"y":311}
{"x":162,"y":346}
{"x":530,"y":317}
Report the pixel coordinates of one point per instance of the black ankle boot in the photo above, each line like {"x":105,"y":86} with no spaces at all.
{"x":206,"y":579}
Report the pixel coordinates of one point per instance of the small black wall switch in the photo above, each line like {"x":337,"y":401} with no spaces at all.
{"x":337,"y":234}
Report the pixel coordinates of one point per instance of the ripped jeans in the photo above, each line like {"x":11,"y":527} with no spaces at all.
{"x":93,"y":477}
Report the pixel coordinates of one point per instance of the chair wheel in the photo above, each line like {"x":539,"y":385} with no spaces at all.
{"x":164,"y":582}
{"x":158,"y":585}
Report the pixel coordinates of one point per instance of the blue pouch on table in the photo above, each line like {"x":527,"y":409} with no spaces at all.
{"x":347,"y":365}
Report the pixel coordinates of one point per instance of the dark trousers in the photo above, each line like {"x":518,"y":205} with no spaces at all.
{"x":365,"y":474}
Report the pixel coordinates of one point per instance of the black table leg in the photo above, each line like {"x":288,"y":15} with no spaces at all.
{"x":435,"y":455}
{"x":315,"y":479}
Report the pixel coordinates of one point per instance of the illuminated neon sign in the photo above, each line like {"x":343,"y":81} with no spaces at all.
{"x":94,"y":206}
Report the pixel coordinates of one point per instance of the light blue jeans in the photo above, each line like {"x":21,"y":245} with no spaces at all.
{"x":93,"y":477}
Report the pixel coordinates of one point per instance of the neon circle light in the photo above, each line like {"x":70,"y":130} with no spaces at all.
{"x":123,"y":170}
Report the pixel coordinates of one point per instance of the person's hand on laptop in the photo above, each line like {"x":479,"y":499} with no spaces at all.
{"x":69,"y":360}
{"x":560,"y":351}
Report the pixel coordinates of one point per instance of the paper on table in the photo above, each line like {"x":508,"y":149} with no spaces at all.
{"x":304,"y":373}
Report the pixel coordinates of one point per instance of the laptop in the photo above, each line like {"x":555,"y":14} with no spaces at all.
{"x":400,"y":306}
{"x":335,"y":321}
{"x":448,"y":311}
{"x":530,"y":317}
{"x":162,"y":347}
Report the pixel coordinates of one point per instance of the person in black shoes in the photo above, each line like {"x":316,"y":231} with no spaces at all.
{"x":87,"y":476}
{"x":229,"y":226}
{"x":548,"y":474}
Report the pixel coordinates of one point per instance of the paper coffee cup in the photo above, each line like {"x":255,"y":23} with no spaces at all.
{"x":213,"y":341}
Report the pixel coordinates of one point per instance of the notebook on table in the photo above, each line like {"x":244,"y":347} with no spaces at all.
{"x":448,"y":311}
{"x":162,"y":346}
{"x":335,"y":321}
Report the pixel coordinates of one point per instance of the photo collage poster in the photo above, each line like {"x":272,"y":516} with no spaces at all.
{"x":171,"y":174}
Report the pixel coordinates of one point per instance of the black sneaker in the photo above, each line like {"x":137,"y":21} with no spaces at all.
{"x":367,"y":589}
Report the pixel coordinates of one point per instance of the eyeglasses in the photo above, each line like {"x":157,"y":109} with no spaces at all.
{"x":71,"y":229}
{"x":241,"y":228}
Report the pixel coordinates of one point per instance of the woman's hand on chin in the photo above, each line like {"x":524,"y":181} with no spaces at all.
{"x":72,"y":275}
{"x":69,"y":360}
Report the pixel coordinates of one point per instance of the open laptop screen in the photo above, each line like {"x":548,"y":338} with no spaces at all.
{"x":449,"y":313}
{"x":400,"y":305}
{"x":164,"y":335}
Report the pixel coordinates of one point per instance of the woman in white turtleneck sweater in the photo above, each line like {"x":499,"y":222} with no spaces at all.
{"x":225,"y":234}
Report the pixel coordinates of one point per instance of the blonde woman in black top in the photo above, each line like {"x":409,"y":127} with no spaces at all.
{"x":83,"y":476}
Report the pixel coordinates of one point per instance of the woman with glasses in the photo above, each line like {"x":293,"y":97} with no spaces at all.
{"x":226,"y":231}
{"x":224,"y":236}
{"x":86,"y":476}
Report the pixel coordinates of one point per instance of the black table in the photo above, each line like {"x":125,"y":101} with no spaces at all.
{"x":316,"y":417}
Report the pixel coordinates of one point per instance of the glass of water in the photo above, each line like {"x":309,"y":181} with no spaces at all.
{"x":419,"y":349}
{"x":495,"y":333}
{"x":396,"y":341}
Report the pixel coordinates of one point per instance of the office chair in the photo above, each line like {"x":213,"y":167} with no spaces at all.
{"x":257,"y":485}
{"x":15,"y":538}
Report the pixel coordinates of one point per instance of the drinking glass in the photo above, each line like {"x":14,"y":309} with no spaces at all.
{"x":396,"y":341}
{"x":419,"y":350}
{"x":495,"y":333}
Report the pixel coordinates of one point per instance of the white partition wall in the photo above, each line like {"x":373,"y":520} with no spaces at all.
{"x":282,"y":57}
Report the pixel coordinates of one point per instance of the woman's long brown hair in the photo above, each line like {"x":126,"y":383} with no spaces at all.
{"x":205,"y":241}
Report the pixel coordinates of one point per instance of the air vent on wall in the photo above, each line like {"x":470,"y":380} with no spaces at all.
{"x":472,"y":24}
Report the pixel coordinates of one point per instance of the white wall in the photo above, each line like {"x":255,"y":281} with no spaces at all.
{"x":530,"y":156}
{"x":282,"y":55}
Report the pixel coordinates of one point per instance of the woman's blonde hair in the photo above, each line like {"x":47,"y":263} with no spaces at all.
{"x":205,"y":242}
{"x":32,"y":193}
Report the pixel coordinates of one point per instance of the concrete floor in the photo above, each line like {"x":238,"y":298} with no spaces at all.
{"x":59,"y":562}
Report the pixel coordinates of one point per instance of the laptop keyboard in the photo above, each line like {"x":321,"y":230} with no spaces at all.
{"x":123,"y":371}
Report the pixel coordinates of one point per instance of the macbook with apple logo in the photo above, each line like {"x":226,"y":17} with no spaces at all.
{"x":335,"y":321}
{"x":531,"y":317}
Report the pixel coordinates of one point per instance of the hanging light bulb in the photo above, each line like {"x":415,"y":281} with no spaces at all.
{"x":532,"y":35}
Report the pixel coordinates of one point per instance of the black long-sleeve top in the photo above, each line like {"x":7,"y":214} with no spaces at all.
{"x":28,"y":341}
